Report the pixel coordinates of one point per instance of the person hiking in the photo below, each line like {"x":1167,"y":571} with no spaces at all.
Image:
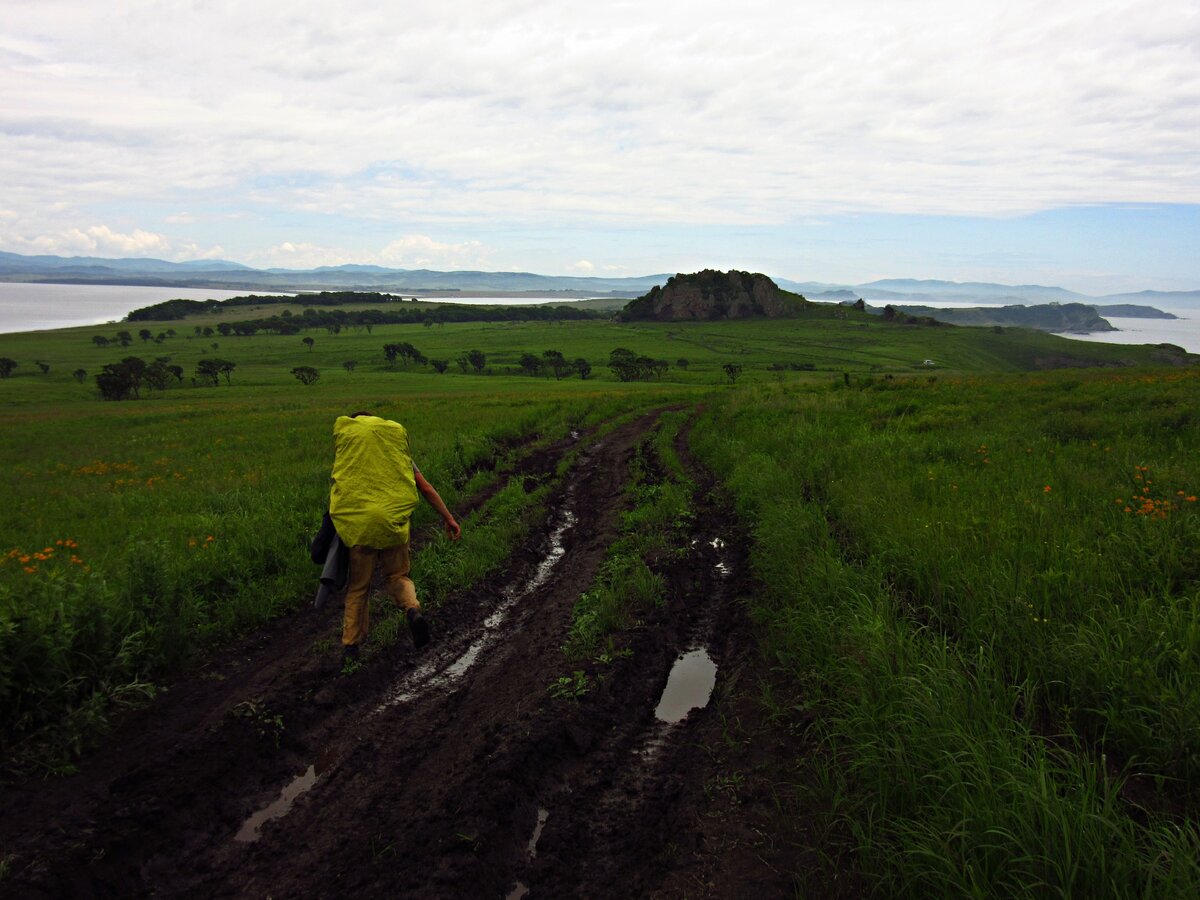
{"x":375,"y":488}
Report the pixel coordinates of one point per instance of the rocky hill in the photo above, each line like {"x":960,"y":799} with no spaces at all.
{"x":714,"y":295}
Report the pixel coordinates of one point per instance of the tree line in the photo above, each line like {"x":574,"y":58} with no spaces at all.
{"x":288,"y":322}
{"x":126,"y":379}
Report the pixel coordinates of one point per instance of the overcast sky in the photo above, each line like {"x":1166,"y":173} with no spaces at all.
{"x":1045,"y":141}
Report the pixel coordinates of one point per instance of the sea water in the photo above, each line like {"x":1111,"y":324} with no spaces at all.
{"x":41,"y":306}
{"x":1182,"y":332}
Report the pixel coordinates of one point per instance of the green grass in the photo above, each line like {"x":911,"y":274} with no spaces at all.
{"x":1004,"y":659}
{"x":830,"y":339}
{"x":139,"y":533}
{"x":982,"y":583}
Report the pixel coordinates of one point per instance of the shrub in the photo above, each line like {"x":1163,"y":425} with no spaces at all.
{"x":306,"y":374}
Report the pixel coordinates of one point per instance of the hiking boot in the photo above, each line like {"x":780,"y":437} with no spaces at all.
{"x":419,"y":626}
{"x":350,"y":653}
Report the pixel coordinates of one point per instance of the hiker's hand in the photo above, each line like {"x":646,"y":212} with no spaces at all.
{"x":453,"y":531}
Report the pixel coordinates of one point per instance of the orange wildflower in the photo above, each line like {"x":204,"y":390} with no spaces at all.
{"x":1046,"y":489}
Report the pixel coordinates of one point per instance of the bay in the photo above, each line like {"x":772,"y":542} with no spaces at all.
{"x":1182,"y":332}
{"x":41,"y":306}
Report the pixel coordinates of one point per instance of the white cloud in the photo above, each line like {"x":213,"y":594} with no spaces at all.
{"x":102,"y":240}
{"x":299,"y":255}
{"x":418,"y":251}
{"x":181,"y":218}
{"x":413,"y":251}
{"x":95,"y":240}
{"x":469,"y":113}
{"x":584,"y":266}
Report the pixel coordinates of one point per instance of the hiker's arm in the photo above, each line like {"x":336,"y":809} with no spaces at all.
{"x":453,"y":531}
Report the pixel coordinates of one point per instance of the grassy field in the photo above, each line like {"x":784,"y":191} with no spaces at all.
{"x":981,"y":577}
{"x":988,"y":591}
{"x":137,"y":533}
{"x":830,"y":340}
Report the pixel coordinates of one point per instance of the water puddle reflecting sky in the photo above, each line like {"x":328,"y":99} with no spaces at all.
{"x":282,"y":805}
{"x":427,"y":676}
{"x":689,"y":686}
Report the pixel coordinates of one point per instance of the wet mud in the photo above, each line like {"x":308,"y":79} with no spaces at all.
{"x":452,"y":771}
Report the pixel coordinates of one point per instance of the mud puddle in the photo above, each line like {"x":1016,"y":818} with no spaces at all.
{"x":689,"y":686}
{"x":432,"y":676}
{"x":542,"y":818}
{"x":521,"y":889}
{"x":251,"y":829}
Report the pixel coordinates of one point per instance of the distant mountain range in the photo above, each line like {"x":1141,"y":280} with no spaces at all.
{"x":226,"y":275}
{"x":916,"y":291}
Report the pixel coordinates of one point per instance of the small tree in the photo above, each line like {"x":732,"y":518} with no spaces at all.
{"x":349,"y":365}
{"x":406,"y":352}
{"x":100,"y":341}
{"x":119,"y":381}
{"x":583,"y":367}
{"x":439,"y":365}
{"x":624,"y":364}
{"x":6,"y":366}
{"x":124,"y":338}
{"x":475,"y":359}
{"x":156,"y":375}
{"x":529,"y":364}
{"x":306,"y":374}
{"x":557,"y":363}
{"x":681,"y":364}
{"x":44,"y":366}
{"x":80,"y":375}
{"x":732,"y":371}
{"x":208,"y":371}
{"x":308,"y":342}
{"x":145,"y":334}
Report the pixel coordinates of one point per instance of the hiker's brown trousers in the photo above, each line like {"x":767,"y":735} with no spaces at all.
{"x":394,"y":563}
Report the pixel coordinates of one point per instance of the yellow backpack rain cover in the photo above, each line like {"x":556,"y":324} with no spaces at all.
{"x":374,"y":492}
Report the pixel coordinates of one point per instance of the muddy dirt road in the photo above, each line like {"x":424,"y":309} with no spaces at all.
{"x":452,"y":771}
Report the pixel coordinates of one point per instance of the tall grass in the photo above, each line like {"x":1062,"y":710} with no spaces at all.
{"x":1006,"y":660}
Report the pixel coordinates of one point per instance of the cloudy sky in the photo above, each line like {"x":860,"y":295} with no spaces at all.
{"x":1047,"y":141}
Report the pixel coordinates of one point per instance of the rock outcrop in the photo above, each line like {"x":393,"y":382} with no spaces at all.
{"x":711,"y":295}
